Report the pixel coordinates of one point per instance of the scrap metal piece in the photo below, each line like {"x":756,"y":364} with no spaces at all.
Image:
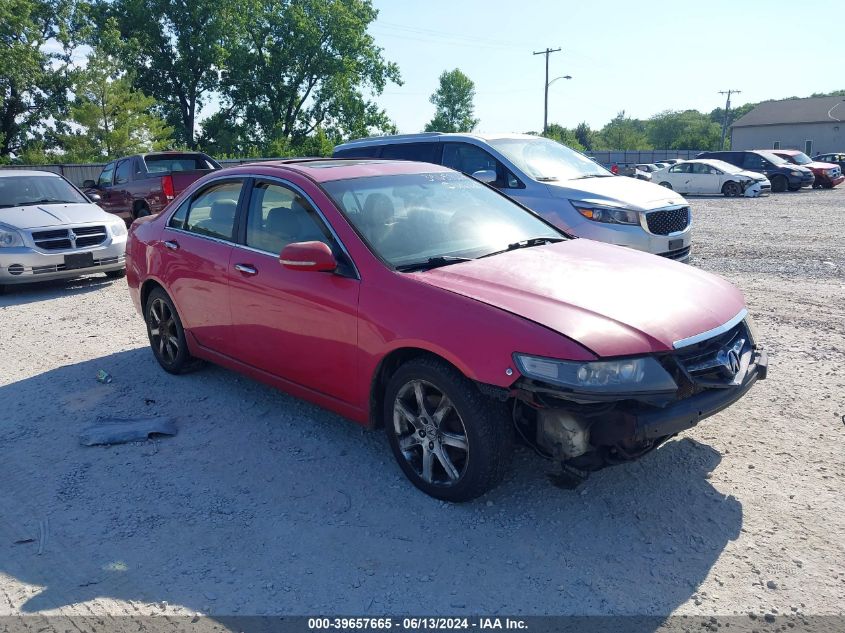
{"x":123,"y":430}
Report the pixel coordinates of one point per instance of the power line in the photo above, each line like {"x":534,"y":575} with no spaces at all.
{"x":546,"y":52}
{"x":727,"y":110}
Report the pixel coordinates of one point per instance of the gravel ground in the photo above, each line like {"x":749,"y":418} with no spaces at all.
{"x":263,"y":504}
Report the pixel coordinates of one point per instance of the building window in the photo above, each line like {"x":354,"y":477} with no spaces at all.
{"x":776,"y":145}
{"x":808,"y":148}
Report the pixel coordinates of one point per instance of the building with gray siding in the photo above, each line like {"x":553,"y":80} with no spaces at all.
{"x":814,"y":126}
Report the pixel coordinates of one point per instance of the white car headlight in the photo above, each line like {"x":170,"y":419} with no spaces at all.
{"x":628,"y":375}
{"x":118,"y":228}
{"x":9,"y":237}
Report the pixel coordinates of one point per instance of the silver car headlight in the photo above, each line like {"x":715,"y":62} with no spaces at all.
{"x":606,"y":214}
{"x":627,"y":375}
{"x":796,"y":173}
{"x":9,"y":237}
{"x":118,"y":228}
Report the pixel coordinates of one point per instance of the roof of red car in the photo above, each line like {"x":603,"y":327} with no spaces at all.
{"x":327,"y":169}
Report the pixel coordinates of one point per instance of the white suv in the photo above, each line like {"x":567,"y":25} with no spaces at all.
{"x":563,"y":186}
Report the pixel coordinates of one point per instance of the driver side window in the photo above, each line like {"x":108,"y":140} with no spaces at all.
{"x":105,"y":178}
{"x":279,"y":216}
{"x":469,"y":159}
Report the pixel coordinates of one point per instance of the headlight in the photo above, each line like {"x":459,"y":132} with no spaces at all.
{"x":796,"y":173}
{"x":629,"y":375}
{"x":9,"y":237}
{"x":118,"y":228}
{"x":606,"y":214}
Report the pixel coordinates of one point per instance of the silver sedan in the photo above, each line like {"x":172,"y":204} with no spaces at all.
{"x":51,"y":230}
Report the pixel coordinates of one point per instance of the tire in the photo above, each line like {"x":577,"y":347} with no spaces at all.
{"x":477,"y":430}
{"x":795,"y":188}
{"x":666,"y":184}
{"x":2,"y":289}
{"x":163,"y":321}
{"x":116,"y":274}
{"x":140,"y":211}
{"x":731,"y":189}
{"x":779,"y":184}
{"x":827,"y":185}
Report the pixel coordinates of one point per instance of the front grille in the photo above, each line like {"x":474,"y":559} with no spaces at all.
{"x":681,"y":253}
{"x":65,"y":239}
{"x":666,"y":221}
{"x":714,"y":362}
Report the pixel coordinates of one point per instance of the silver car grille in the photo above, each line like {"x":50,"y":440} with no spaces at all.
{"x":76,"y":237}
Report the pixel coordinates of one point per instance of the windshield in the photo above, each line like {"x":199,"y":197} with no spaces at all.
{"x":411,"y":218}
{"x":723,"y":166}
{"x":20,"y":191}
{"x":800,"y":158}
{"x":547,"y":160}
{"x":773,"y":158}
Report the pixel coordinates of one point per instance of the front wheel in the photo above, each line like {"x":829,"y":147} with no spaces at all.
{"x":451,"y":441}
{"x":665,"y":184}
{"x":779,"y":184}
{"x":731,"y":189}
{"x":795,"y":188}
{"x":166,"y":334}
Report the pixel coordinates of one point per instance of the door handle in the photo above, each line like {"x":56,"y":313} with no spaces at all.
{"x":172,"y":245}
{"x":246,"y":269}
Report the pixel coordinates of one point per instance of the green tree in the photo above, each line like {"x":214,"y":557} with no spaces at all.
{"x":175,"y":49}
{"x":689,"y":129}
{"x":453,"y":101}
{"x":564,"y":135}
{"x":623,"y":133}
{"x":112,"y":118}
{"x":33,"y":79}
{"x":585,"y":136}
{"x":298,"y":66}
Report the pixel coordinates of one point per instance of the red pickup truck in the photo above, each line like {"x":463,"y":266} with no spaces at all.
{"x":135,"y":186}
{"x":828,"y":175}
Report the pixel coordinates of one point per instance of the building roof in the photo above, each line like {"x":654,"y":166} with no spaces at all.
{"x":812,"y":110}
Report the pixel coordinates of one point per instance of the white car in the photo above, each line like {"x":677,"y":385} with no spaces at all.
{"x":51,"y":230}
{"x":709,"y":176}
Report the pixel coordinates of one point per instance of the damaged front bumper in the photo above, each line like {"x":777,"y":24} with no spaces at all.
{"x":590,"y":431}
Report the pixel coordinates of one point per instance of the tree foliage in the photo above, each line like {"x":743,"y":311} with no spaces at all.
{"x":33,"y":76}
{"x":175,"y":49}
{"x":112,"y":118}
{"x":298,"y":66}
{"x":623,"y":133}
{"x":564,"y":135}
{"x":689,"y":129}
{"x":453,"y":101}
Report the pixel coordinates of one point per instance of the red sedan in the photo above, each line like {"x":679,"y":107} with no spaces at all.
{"x":410,"y":296}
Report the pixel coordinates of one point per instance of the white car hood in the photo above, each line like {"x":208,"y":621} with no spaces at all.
{"x":45,"y":215}
{"x":616,"y":190}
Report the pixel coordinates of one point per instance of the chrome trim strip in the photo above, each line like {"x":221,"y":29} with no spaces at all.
{"x":692,"y":340}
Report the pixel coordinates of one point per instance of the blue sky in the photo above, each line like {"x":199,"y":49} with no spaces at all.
{"x":643,"y":57}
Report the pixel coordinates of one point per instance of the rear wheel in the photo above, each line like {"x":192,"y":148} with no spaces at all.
{"x":140,"y":211}
{"x":166,"y":334}
{"x":779,"y":184}
{"x":665,"y":184}
{"x":451,"y":441}
{"x":731,"y":189}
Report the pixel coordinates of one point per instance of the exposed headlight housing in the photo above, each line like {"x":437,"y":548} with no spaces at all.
{"x":9,"y":237}
{"x":605,"y":213}
{"x":628,"y":375}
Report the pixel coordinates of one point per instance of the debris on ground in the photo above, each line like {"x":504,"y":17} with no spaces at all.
{"x":123,"y":430}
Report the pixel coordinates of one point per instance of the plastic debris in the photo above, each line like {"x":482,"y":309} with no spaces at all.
{"x":123,"y":430}
{"x":103,"y":377}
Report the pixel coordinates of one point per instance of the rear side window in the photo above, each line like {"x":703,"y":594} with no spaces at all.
{"x":212,"y":213}
{"x":420,"y":152}
{"x":370,"y":151}
{"x":105,"y":178}
{"x":121,"y":174}
{"x":178,"y":162}
{"x":681,"y":168}
{"x":177,"y":220}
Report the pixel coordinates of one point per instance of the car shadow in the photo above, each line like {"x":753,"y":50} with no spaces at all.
{"x":21,"y":294}
{"x":265,"y":505}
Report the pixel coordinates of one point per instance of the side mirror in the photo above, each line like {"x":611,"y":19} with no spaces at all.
{"x":308,"y":256}
{"x":485,"y":175}
{"x":89,"y":184}
{"x":94,"y":197}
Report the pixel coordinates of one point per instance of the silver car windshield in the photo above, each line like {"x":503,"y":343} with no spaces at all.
{"x":411,"y":219}
{"x":21,"y":191}
{"x":547,"y":160}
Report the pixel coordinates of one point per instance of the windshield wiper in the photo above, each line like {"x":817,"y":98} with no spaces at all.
{"x":432,"y":262}
{"x":547,"y":178}
{"x":593,"y":176}
{"x":531,"y":241}
{"x":45,"y":201}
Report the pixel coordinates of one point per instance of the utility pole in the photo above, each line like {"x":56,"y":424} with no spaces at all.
{"x":546,"y":52}
{"x":727,"y":110}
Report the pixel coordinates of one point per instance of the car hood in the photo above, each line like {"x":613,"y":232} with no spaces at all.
{"x":616,"y":190}
{"x":613,"y":300}
{"x":44,"y":215}
{"x":819,"y":165}
{"x":750,"y":174}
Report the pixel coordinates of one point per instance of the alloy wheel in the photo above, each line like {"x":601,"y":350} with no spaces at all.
{"x":163,"y":331}
{"x":430,"y":433}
